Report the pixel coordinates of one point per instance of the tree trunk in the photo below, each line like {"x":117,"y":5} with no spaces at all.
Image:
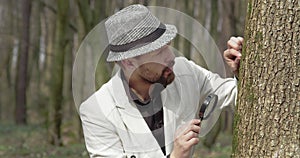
{"x":7,"y":43}
{"x":57,"y":71}
{"x":47,"y":35}
{"x":33,"y":81}
{"x":268,"y":110}
{"x":21,"y":77}
{"x":189,"y":9}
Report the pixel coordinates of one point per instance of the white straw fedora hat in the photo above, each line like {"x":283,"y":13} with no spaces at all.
{"x":134,"y":31}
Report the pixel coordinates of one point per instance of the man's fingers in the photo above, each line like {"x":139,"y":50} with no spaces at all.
{"x":190,"y":135}
{"x":193,"y":128}
{"x":237,"y":60}
{"x":234,"y":66}
{"x":232,"y":54}
{"x":241,"y":39}
{"x":193,"y":125}
{"x":193,"y":141}
{"x":234,"y":44}
{"x":187,"y":138}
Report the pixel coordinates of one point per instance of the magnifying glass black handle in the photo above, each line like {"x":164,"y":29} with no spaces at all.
{"x":201,"y":113}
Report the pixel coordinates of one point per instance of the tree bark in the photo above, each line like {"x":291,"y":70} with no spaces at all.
{"x":57,"y":71}
{"x":268,"y":111}
{"x":21,"y":78}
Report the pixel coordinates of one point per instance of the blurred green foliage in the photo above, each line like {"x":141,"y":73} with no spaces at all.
{"x":30,"y":141}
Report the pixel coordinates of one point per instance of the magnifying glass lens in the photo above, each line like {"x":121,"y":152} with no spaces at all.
{"x":208,"y":106}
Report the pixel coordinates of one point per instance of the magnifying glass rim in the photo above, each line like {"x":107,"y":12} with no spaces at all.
{"x":206,"y":103}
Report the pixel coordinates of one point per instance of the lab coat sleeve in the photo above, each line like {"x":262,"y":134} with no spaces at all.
{"x":208,"y":82}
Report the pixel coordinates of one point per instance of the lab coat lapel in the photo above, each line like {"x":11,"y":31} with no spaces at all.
{"x":128,"y":110}
{"x":135,"y":125}
{"x":171,"y":100}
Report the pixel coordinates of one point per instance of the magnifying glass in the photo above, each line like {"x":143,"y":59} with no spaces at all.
{"x":208,"y":114}
{"x":208,"y":106}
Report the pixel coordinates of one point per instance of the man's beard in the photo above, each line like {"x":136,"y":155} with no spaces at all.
{"x":166,"y":80}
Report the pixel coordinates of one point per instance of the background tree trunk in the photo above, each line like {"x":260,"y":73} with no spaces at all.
{"x":7,"y":99}
{"x":34,"y":69}
{"x":47,"y":32}
{"x":21,"y":83}
{"x":57,"y":71}
{"x":268,"y":112}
